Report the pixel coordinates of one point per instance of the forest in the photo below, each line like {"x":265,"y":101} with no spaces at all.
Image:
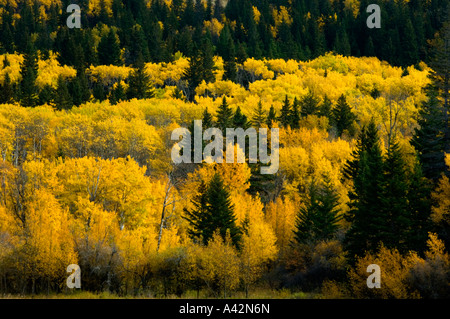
{"x":87,"y":178}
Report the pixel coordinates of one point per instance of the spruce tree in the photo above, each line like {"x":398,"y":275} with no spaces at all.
{"x":318,"y":220}
{"x":419,"y":207}
{"x":325,"y":107}
{"x":343,"y":117}
{"x":295,"y":115}
{"x":429,"y":139}
{"x":139,"y":85}
{"x":198,"y":217}
{"x":368,"y":224}
{"x":29,"y":68}
{"x":394,"y":200}
{"x":213,"y":211}
{"x":109,"y":49}
{"x":224,"y":116}
{"x":259,"y":116}
{"x":284,"y":118}
{"x":309,"y":104}
{"x":117,"y":94}
{"x":240,"y":120}
{"x":221,"y":211}
{"x":207,"y":120}
{"x":6,"y":90}
{"x":63,"y":100}
{"x":271,"y":117}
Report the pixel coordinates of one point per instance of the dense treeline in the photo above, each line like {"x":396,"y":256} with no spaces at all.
{"x":273,"y":29}
{"x":86,"y":173}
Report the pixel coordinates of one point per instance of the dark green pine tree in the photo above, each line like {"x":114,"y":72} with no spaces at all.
{"x":429,"y":139}
{"x":198,"y":217}
{"x":29,"y":68}
{"x":419,"y":206}
{"x":295,"y":115}
{"x":224,"y":116}
{"x":240,"y":120}
{"x":193,"y":75}
{"x":221,"y":211}
{"x":207,"y":120}
{"x":109,"y":49}
{"x":117,"y":94}
{"x":304,"y":231}
{"x":226,"y":49}
{"x":271,"y":117}
{"x":325,"y":107}
{"x":6,"y":90}
{"x":368,"y":224}
{"x":394,"y":200}
{"x":46,"y":94}
{"x":318,"y":220}
{"x":138,"y":45}
{"x":284,"y":118}
{"x":79,"y":88}
{"x":63,"y":100}
{"x":259,"y":117}
{"x":342,"y":44}
{"x":213,"y":211}
{"x":343,"y":117}
{"x":139,"y":85}
{"x":201,"y":66}
{"x":309,"y":104}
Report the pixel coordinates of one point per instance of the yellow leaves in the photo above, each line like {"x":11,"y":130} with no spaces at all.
{"x":441,"y":211}
{"x":283,"y":66}
{"x":50,"y":70}
{"x":280,"y":215}
{"x":48,"y":247}
{"x":13,"y":69}
{"x":256,"y":14}
{"x":257,"y":69}
{"x":221,"y":88}
{"x":395,"y":270}
{"x":214,"y":27}
{"x":108,"y":74}
{"x":167,"y":73}
{"x":219,"y":264}
{"x":94,"y":7}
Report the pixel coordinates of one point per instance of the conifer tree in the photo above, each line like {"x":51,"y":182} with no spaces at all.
{"x":295,"y":115}
{"x":259,"y":116}
{"x":109,"y":49}
{"x":325,"y":107}
{"x":284,"y":118}
{"x":368,"y":223}
{"x":207,"y":120}
{"x":394,"y":200}
{"x":221,"y":211}
{"x":63,"y":100}
{"x":139,"y":85}
{"x":6,"y":90}
{"x":429,"y":139}
{"x":239,"y":119}
{"x":343,"y":116}
{"x":29,"y":68}
{"x":117,"y":94}
{"x":318,"y":220}
{"x":309,"y":104}
{"x":213,"y":211}
{"x":224,"y":116}
{"x":271,"y":117}
{"x":198,"y":217}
